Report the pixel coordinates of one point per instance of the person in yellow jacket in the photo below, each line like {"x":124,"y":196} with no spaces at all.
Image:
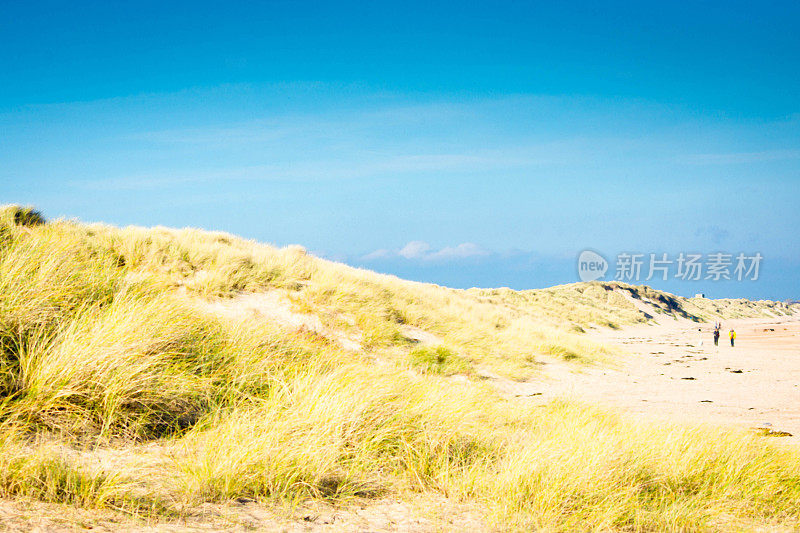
{"x":732,"y":335}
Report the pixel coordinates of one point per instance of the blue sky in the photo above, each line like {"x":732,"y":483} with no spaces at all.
{"x":484,"y":145}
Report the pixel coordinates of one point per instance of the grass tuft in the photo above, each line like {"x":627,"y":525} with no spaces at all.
{"x":438,"y":360}
{"x":20,"y":216}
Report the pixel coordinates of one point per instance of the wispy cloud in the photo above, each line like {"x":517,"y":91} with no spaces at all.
{"x":740,"y":157}
{"x":374,"y":140}
{"x":366,"y":165}
{"x":714,"y":233}
{"x":255,"y":132}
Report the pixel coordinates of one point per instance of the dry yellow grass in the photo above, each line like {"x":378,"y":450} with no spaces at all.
{"x":101,"y":343}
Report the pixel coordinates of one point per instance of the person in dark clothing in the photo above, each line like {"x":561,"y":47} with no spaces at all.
{"x":716,"y":337}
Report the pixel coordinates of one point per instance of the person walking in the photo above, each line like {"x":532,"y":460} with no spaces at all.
{"x":732,"y":335}
{"x":716,"y":336}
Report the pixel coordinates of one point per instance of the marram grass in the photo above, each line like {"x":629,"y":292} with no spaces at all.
{"x":102,"y":344}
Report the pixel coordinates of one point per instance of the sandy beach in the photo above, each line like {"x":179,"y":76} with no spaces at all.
{"x":673,"y":371}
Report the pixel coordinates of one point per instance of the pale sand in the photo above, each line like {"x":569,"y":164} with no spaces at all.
{"x":754,"y":384}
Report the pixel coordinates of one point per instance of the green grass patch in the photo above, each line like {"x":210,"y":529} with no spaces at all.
{"x":438,"y":360}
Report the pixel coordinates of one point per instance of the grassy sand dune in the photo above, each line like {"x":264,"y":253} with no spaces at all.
{"x":103,"y":348}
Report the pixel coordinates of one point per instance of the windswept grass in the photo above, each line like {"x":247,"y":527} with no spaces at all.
{"x":135,"y":365}
{"x":352,"y":432}
{"x":562,"y":468}
{"x":102,"y":341}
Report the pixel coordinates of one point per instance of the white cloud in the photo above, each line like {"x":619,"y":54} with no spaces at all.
{"x":466,"y":249}
{"x":382,"y":253}
{"x":422,"y":251}
{"x":415,"y":250}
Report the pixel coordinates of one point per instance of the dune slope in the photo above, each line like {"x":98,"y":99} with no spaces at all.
{"x":153,"y":372}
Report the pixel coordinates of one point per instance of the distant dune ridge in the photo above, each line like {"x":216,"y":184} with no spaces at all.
{"x":149,"y":373}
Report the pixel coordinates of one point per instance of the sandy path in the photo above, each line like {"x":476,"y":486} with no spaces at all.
{"x":382,"y":516}
{"x":670,"y":374}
